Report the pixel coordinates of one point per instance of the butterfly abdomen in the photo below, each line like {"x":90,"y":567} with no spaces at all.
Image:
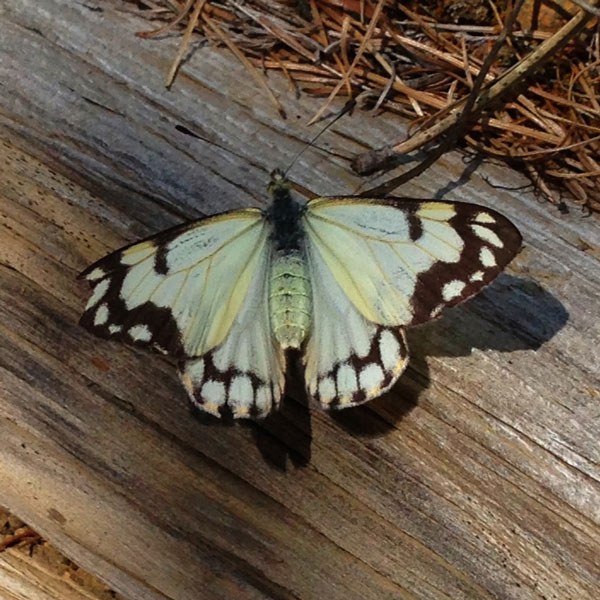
{"x":290,"y":301}
{"x":289,"y":298}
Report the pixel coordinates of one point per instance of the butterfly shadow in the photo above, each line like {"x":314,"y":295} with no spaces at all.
{"x":512,"y":314}
{"x":285,"y":436}
{"x":379,"y":416}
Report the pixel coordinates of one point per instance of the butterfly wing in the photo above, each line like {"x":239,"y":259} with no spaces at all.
{"x":408,"y":259}
{"x":192,"y":292}
{"x":348,"y":359}
{"x":245,"y":375}
{"x":378,"y":266}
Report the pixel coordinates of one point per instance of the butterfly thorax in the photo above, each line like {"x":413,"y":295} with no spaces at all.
{"x":289,"y":285}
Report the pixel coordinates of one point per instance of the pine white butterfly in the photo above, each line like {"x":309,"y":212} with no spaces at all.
{"x":337,"y":278}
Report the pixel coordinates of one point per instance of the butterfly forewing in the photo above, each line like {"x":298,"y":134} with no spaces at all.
{"x":179,"y":291}
{"x":401,"y":261}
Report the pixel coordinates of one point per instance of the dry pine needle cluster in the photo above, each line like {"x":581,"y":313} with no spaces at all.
{"x":424,"y":60}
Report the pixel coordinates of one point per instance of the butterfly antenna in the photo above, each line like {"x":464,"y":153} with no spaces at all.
{"x":346,"y":109}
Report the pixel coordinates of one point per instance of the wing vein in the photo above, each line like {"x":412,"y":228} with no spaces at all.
{"x":341,"y":264}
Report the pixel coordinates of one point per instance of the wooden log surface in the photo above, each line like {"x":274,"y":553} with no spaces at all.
{"x":477,"y":476}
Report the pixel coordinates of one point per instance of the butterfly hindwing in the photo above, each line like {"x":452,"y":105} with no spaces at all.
{"x":408,"y":259}
{"x":377,"y":266}
{"x":245,"y":374}
{"x":348,"y":359}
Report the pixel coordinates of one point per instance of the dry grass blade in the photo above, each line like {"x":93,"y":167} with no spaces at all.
{"x":169,"y":26}
{"x":512,"y":78}
{"x":185,"y":42}
{"x":258,"y":76}
{"x":361,"y":49}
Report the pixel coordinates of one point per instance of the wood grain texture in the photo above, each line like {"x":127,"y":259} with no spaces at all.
{"x":477,"y":476}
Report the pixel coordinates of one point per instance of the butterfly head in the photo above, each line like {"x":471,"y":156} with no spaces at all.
{"x":279,"y":184}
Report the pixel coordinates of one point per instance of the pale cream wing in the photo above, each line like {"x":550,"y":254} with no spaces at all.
{"x":399,"y":262}
{"x":348,"y":359}
{"x":180,"y":291}
{"x":244,"y":376}
{"x":199,"y":293}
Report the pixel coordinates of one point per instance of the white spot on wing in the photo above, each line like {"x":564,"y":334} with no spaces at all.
{"x":140,"y":333}
{"x":101,"y":316}
{"x":326,"y":390}
{"x":436,"y":311}
{"x":389,"y":348}
{"x":452,"y":289}
{"x":477,"y":276}
{"x":241,"y":395}
{"x":213,"y":394}
{"x":346,"y":380}
{"x":371,"y":378}
{"x":99,"y":291}
{"x":96,"y":273}
{"x":484,"y":217}
{"x":487,"y":257}
{"x":114,"y":329}
{"x":487,"y":235}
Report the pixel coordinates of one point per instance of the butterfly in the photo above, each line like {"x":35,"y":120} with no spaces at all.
{"x":338,"y":278}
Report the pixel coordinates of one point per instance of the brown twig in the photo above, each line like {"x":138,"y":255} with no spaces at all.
{"x":23,"y":536}
{"x":470,"y":111}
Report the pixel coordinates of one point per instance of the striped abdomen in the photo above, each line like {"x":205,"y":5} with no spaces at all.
{"x":289,"y":298}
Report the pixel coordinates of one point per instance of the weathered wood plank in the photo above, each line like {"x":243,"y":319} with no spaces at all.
{"x":476,"y":477}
